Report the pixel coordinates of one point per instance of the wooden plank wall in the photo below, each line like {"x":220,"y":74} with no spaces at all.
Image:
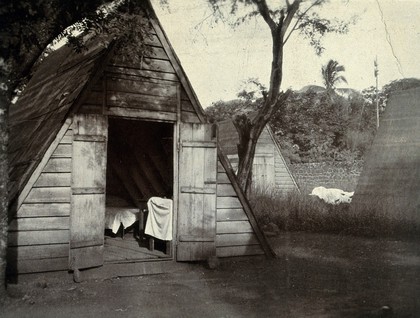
{"x":269,"y":169}
{"x":234,"y":234}
{"x":283,"y":177}
{"x":263,"y":173}
{"x":39,"y":233}
{"x":143,"y":87}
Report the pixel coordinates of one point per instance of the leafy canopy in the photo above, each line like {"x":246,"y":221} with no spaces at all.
{"x":331,"y":74}
{"x":304,"y":20}
{"x":28,"y":27}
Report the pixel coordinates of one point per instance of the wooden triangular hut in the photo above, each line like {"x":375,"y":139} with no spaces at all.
{"x":97,"y":132}
{"x":390,"y":180}
{"x":269,"y":171}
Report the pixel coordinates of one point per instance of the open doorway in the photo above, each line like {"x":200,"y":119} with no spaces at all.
{"x":139,"y":166}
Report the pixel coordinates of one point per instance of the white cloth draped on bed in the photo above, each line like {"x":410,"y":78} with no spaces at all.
{"x":159,"y":219}
{"x":115,"y":216}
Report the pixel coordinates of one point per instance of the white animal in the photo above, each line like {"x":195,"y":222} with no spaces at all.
{"x":332,"y":196}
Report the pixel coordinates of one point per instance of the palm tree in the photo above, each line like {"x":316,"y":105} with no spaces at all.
{"x":331,"y":74}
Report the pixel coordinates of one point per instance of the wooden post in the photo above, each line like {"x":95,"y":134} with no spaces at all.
{"x":104,"y":93}
{"x":377,"y":92}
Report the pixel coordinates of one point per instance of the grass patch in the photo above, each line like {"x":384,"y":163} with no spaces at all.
{"x":298,"y":212}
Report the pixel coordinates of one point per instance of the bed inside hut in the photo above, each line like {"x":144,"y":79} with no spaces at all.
{"x":139,"y":167}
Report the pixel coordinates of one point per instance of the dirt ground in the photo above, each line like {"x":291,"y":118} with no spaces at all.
{"x":314,"y":276}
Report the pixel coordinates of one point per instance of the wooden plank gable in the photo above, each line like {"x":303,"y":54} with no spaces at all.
{"x":237,"y":231}
{"x":144,"y":87}
{"x":42,"y":220}
{"x":270,"y":170}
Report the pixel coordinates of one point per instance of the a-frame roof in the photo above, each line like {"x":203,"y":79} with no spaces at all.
{"x":56,"y":90}
{"x":390,"y":180}
{"x":35,"y":119}
{"x":229,"y":139}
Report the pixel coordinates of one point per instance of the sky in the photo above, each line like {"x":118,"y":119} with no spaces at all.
{"x":218,"y":58}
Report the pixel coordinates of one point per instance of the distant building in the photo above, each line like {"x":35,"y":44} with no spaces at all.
{"x":269,"y":170}
{"x":390,"y":180}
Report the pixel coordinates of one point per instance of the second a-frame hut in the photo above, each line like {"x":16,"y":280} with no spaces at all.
{"x":390,"y":181}
{"x":93,"y":138}
{"x":269,"y":171}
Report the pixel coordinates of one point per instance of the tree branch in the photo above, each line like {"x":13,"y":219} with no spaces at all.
{"x":265,"y":13}
{"x":299,"y":18}
{"x":291,"y":11}
{"x":268,"y":109}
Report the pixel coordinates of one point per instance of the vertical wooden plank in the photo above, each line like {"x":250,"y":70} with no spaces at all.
{"x":197,"y":168}
{"x":197,"y":195}
{"x":264,"y":173}
{"x":210,"y":182}
{"x":175,"y":184}
{"x":88,"y":191}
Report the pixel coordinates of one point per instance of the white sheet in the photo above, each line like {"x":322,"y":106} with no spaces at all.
{"x":114,"y":216}
{"x":159,"y":219}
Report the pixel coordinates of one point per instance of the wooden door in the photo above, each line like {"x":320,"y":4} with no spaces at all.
{"x":263,"y":174}
{"x":197,"y":192}
{"x":88,"y":191}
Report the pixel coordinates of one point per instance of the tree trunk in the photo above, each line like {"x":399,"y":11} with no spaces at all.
{"x":4,"y":103}
{"x":249,"y":132}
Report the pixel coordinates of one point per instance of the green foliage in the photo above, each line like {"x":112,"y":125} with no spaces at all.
{"x":297,"y":212}
{"x":394,"y":86}
{"x":400,"y":85}
{"x":222,"y":110}
{"x":252,"y":90}
{"x":250,"y":100}
{"x":314,"y":124}
{"x":314,"y":28}
{"x":317,"y":125}
{"x":282,"y":20}
{"x":331,"y":74}
{"x":309,"y":24}
{"x":29,"y":26}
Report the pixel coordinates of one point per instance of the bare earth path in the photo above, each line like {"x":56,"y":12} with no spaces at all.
{"x":314,"y":276}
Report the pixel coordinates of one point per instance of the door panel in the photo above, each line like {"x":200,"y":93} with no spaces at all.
{"x":197,"y":192}
{"x":88,"y":191}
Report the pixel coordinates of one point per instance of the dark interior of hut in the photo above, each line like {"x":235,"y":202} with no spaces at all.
{"x":139,"y":166}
